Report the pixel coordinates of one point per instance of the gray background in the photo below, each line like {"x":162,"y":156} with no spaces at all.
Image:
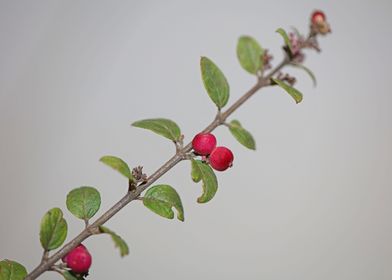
{"x":313,"y":202}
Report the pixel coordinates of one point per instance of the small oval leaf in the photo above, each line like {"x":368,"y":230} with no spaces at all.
{"x":201,"y":171}
{"x":161,"y":198}
{"x":307,"y":70}
{"x":214,"y":82}
{"x":53,"y":229}
{"x":83,"y":202}
{"x":118,"y":241}
{"x":69,"y":275}
{"x":164,"y":127}
{"x":119,"y":165}
{"x":286,"y":38}
{"x":250,"y":54}
{"x":11,"y":270}
{"x":294,"y":93}
{"x":243,"y":136}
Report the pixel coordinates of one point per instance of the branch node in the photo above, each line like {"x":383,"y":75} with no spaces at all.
{"x":188,"y":156}
{"x":45,"y":256}
{"x":93,"y":230}
{"x":131,"y":186}
{"x":220,"y":118}
{"x":179,"y":143}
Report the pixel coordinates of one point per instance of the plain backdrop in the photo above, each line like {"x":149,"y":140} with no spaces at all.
{"x":313,"y":202}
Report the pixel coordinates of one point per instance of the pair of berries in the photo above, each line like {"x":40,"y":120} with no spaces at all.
{"x":78,"y":260}
{"x":220,"y":158}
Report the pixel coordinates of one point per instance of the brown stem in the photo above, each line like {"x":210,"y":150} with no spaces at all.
{"x":56,"y":269}
{"x":134,"y":194}
{"x":45,"y":256}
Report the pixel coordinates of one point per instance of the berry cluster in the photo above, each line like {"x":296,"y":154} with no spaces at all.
{"x":220,"y":158}
{"x":78,"y":260}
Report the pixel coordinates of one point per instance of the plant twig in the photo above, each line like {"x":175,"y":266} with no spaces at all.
{"x":134,"y":195}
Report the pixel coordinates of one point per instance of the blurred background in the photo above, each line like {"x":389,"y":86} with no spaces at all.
{"x":313,"y":202}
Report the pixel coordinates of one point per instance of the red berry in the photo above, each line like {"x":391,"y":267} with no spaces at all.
{"x":318,"y":17}
{"x":204,"y":143}
{"x":78,"y":260}
{"x":221,"y":158}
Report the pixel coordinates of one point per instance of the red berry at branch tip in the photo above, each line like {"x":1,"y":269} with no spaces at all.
{"x":78,"y":260}
{"x":318,"y":17}
{"x":204,"y":143}
{"x":221,"y":158}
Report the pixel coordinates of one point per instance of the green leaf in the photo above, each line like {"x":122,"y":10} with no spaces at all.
{"x":286,"y":39}
{"x":53,"y":229}
{"x":10,"y":270}
{"x":83,"y":202}
{"x":69,"y":275}
{"x":307,"y":70}
{"x":201,"y":171}
{"x":163,"y":127}
{"x":161,"y":198}
{"x":119,"y":165}
{"x":214,"y":82}
{"x":118,"y":241}
{"x":290,"y":90}
{"x":250,"y":54}
{"x":242,"y":135}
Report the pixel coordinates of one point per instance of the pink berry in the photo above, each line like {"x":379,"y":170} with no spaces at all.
{"x":318,"y":17}
{"x":221,"y":158}
{"x":204,"y":143}
{"x":78,"y":260}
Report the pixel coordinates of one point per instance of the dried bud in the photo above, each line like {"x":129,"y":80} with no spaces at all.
{"x":287,"y":78}
{"x":297,"y":43}
{"x":138,"y":174}
{"x":319,"y":24}
{"x":324,"y":28}
{"x":267,"y":60}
